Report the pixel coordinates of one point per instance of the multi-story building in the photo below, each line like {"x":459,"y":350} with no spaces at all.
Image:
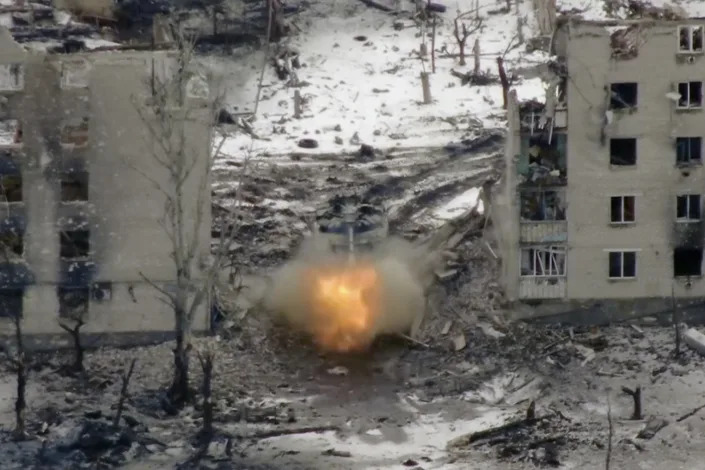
{"x":602,"y":201}
{"x":79,"y":209}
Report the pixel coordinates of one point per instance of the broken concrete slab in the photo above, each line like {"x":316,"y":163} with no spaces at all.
{"x":695,"y":340}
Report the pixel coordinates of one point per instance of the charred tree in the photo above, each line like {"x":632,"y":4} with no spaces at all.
{"x":636,"y":396}
{"x":126,"y":376}
{"x":206,"y":360}
{"x":180,"y":103}
{"x":461,"y":33}
{"x":503,"y":80}
{"x":19,"y":364}
{"x":79,"y":349}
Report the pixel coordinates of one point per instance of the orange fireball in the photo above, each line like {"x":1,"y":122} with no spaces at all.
{"x":344,"y":306}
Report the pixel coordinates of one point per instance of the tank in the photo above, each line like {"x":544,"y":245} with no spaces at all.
{"x":351,"y":224}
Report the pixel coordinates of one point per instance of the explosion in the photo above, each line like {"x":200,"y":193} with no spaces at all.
{"x":344,"y":303}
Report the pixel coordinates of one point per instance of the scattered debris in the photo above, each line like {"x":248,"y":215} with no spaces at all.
{"x":695,"y":340}
{"x":653,"y":426}
{"x":459,"y":342}
{"x":338,"y":370}
{"x":336,"y":453}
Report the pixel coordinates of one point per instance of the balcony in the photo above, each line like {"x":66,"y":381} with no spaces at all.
{"x":542,"y":287}
{"x":554,"y":231}
{"x":542,"y":160}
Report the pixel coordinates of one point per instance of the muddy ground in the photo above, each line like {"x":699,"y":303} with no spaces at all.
{"x":398,"y":405}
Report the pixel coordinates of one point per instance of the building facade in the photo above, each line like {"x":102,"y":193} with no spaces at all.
{"x":79,"y":210}
{"x":603,"y":195}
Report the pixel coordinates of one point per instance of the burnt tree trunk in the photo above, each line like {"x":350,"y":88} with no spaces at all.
{"x":21,"y":370}
{"x":207,"y":366}
{"x":503,"y":79}
{"x":676,"y":325}
{"x":179,"y":393}
{"x":433,"y":45}
{"x":123,"y":393}
{"x":79,"y":350}
{"x":636,"y":396}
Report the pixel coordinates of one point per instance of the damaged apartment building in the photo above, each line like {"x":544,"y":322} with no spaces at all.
{"x":81,"y":213}
{"x":602,"y":201}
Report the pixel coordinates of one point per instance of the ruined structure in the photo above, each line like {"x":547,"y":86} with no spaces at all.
{"x":80,"y":208}
{"x":602,"y":199}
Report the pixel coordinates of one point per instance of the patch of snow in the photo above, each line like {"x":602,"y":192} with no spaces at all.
{"x":96,"y":43}
{"x":372,"y":88}
{"x":387,"y":447}
{"x":594,"y":9}
{"x":459,"y":205}
{"x":62,"y":17}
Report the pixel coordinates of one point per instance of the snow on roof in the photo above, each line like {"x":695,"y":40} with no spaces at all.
{"x":370,"y":88}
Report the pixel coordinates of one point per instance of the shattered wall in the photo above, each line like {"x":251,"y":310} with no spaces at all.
{"x":123,"y":208}
{"x":655,"y":180}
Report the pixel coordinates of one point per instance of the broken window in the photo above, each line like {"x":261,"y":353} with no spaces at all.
{"x":11,"y":302}
{"x":11,"y":188}
{"x":623,"y":152}
{"x":543,"y":261}
{"x":542,"y":205}
{"x":75,"y":132}
{"x":687,"y":262}
{"x":690,"y":38}
{"x":74,"y":244}
{"x":75,"y":74}
{"x":623,"y":95}
{"x":73,"y":301}
{"x":691,"y":95}
{"x":622,"y":209}
{"x":74,"y":186}
{"x":10,"y":132}
{"x":688,"y":207}
{"x":12,"y":244}
{"x":11,"y":77}
{"x":688,"y":150}
{"x":622,"y":264}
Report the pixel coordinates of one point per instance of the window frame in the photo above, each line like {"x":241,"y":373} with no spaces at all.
{"x":688,"y":199}
{"x":688,"y":141}
{"x":622,"y":211}
{"x":688,"y":100}
{"x":62,"y":254}
{"x":624,"y":105}
{"x":537,"y":254}
{"x":622,"y":253}
{"x":673,"y":260}
{"x":691,"y":28}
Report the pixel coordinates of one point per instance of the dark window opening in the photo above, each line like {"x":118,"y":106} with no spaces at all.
{"x":623,"y":95}
{"x":11,"y":303}
{"x":623,"y":152}
{"x":75,"y":133}
{"x":688,"y":150}
{"x":75,"y":244}
{"x":622,"y":264}
{"x":542,"y":205}
{"x":691,"y":94}
{"x":687,"y":262}
{"x":11,"y":188}
{"x":688,"y":207}
{"x":73,"y":301}
{"x":622,"y":209}
{"x":74,"y":187}
{"x":12,"y":243}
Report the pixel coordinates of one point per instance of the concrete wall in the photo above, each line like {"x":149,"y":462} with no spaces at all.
{"x":123,"y":208}
{"x":655,"y":179}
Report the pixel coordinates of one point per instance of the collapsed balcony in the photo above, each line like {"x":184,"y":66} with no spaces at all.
{"x":542,"y":160}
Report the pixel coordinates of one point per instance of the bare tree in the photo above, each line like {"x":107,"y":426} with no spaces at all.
{"x":75,"y":332}
{"x":168,"y":116}
{"x":610,"y":432}
{"x":18,"y":364}
{"x":461,"y":32}
{"x":126,"y":376}
{"x":206,"y":359}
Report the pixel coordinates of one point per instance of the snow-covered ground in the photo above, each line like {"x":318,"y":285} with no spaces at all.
{"x":362,"y":76}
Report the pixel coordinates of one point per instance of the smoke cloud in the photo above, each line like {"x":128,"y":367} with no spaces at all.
{"x":397,"y":298}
